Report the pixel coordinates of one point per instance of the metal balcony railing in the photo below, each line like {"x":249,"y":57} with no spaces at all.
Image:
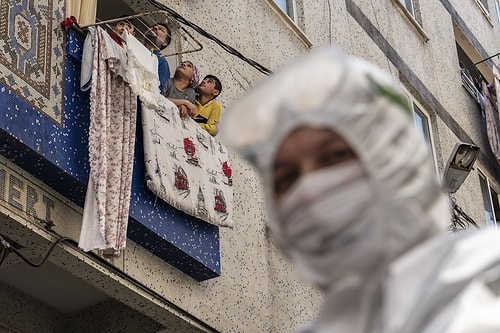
{"x":469,"y":86}
{"x":143,"y":21}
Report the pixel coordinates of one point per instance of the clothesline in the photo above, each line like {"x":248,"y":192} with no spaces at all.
{"x":481,"y":61}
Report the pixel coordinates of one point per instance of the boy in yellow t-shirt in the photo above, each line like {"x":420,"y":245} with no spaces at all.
{"x":208,"y":109}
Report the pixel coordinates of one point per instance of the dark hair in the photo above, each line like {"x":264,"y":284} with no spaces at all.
{"x":169,"y":32}
{"x":218,"y":84}
{"x":122,"y":16}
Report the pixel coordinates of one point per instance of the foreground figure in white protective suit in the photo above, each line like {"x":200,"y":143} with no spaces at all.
{"x":354,"y":202}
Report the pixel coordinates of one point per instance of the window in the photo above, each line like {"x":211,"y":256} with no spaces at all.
{"x":471,"y":64}
{"x":411,"y":9}
{"x":423,"y":128}
{"x":471,"y":76}
{"x":408,"y":4}
{"x":483,"y":4}
{"x":490,"y":201}
{"x":422,"y":125}
{"x":288,"y":6}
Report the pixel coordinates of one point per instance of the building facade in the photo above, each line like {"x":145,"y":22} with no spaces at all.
{"x":179,"y":273}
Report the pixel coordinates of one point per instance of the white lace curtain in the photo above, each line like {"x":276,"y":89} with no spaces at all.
{"x":83,"y":10}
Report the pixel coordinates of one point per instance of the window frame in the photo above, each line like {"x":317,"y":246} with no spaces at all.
{"x":290,"y":10}
{"x":485,"y":10}
{"x":412,"y":104}
{"x":495,"y":210}
{"x":428,"y":137}
{"x":410,"y":10}
{"x":290,"y":22}
{"x":483,"y":5}
{"x":414,"y":15}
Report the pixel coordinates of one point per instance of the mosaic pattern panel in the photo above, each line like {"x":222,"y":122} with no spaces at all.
{"x":31,"y":53}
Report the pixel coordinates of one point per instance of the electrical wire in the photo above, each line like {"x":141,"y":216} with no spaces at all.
{"x":4,"y":255}
{"x":460,"y":220}
{"x":206,"y":34}
{"x":7,"y":247}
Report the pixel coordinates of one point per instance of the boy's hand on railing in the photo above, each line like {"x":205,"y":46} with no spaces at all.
{"x":183,"y":110}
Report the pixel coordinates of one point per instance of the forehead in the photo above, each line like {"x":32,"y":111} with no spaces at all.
{"x":159,"y":27}
{"x":309,"y":141}
{"x":188,"y":63}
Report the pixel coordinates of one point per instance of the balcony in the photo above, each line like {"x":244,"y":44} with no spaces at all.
{"x":56,"y":153}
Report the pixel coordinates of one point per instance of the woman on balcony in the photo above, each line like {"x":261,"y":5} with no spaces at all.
{"x":181,"y":89}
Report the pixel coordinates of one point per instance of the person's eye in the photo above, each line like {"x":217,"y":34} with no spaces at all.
{"x":336,"y":156}
{"x":283,"y":182}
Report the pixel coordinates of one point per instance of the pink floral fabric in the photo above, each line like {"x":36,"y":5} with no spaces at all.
{"x":113,"y":109}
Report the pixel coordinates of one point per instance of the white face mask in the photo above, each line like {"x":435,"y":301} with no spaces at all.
{"x":327,"y":222}
{"x":335,"y":225}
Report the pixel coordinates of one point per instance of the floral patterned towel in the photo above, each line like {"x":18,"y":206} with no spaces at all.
{"x":186,"y":166}
{"x":113,"y":109}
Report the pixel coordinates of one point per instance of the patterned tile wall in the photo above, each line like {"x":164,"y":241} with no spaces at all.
{"x":31,"y":54}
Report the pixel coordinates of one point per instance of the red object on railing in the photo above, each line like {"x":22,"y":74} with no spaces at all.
{"x":68,"y":22}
